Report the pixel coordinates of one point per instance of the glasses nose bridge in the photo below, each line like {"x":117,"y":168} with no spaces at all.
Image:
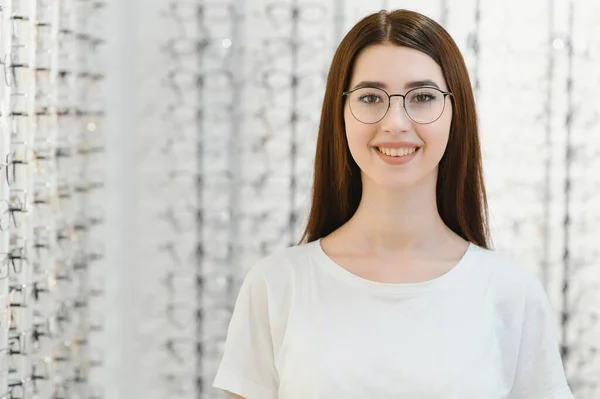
{"x":400,"y":101}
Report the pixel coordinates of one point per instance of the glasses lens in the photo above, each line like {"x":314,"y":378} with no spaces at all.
{"x":424,"y":105}
{"x":368,"y":105}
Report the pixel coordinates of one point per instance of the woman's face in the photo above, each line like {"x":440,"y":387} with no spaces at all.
{"x":396,"y":70}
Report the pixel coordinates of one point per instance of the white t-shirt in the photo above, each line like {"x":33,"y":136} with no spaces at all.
{"x":304,"y":327}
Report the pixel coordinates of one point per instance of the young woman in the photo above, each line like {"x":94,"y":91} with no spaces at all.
{"x":394,"y":291}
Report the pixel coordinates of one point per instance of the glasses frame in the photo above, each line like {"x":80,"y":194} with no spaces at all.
{"x":445,"y":94}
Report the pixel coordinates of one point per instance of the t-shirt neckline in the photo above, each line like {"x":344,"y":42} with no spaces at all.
{"x":402,"y":289}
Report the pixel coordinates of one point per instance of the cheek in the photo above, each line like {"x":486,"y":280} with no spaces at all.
{"x":436,"y":141}
{"x":436,"y":135}
{"x":357,"y":144}
{"x":358,"y":134}
{"x":349,"y":121}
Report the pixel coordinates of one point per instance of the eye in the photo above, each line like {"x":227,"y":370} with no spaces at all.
{"x":369,"y":98}
{"x":424,"y":95}
{"x":423,"y":98}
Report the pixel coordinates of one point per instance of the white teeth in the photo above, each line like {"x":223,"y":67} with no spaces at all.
{"x":397,"y":152}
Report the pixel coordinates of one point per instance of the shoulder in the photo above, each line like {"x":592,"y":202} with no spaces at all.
{"x":278,"y":274}
{"x":505,"y":267}
{"x":281,"y":264}
{"x":272,"y":280}
{"x":514,"y":283}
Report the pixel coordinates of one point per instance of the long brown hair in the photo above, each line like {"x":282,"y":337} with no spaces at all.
{"x":337,"y":186}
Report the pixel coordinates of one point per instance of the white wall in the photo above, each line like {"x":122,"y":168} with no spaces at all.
{"x":523,"y":101}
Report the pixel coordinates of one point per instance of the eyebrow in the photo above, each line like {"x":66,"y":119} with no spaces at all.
{"x":408,"y":85}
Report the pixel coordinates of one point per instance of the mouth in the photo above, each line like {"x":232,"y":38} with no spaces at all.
{"x":397,"y":157}
{"x":397,"y":152}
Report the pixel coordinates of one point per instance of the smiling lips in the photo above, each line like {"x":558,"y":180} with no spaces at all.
{"x":397,"y":152}
{"x":397,"y":156}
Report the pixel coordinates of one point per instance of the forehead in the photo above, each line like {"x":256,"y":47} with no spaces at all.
{"x":395,"y":65}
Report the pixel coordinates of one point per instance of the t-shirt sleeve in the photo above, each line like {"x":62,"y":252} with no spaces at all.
{"x":247,"y":367}
{"x":540,"y":373}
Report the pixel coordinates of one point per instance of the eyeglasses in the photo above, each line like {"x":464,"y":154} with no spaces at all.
{"x":423,"y":105}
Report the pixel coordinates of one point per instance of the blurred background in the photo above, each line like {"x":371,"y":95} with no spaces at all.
{"x":152,"y":150}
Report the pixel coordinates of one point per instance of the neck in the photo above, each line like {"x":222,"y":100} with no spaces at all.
{"x":400,"y":220}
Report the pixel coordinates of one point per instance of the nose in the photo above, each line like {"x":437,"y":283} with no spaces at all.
{"x":396,"y":117}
